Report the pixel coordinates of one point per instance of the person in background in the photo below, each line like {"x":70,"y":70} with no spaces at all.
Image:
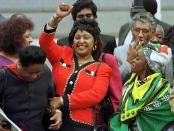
{"x":25,"y":88}
{"x":125,"y":34}
{"x":81,"y":81}
{"x":87,"y":9}
{"x":143,"y":26}
{"x":144,"y":105}
{"x":151,"y":6}
{"x":158,"y":35}
{"x":16,"y":34}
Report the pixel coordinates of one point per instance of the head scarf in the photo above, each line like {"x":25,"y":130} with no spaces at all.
{"x":159,"y":62}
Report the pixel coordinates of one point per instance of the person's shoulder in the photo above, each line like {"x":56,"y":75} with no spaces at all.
{"x":166,"y":26}
{"x":125,"y":25}
{"x":105,"y":67}
{"x":163,"y":23}
{"x":104,"y":36}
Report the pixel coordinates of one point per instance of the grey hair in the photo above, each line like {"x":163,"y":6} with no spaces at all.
{"x":144,"y":17}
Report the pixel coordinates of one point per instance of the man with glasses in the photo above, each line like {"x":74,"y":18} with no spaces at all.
{"x":87,"y":9}
{"x":143,"y":26}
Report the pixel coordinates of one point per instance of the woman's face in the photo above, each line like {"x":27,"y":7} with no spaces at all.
{"x":83,"y":43}
{"x":27,"y":38}
{"x":139,"y":64}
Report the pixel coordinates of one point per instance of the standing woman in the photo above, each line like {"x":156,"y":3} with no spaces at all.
{"x":81,"y":81}
{"x":16,"y":34}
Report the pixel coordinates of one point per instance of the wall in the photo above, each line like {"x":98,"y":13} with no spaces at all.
{"x":111,"y":15}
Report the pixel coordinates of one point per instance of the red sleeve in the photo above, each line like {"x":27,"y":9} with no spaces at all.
{"x":50,"y":47}
{"x":96,"y":93}
{"x":115,"y":80}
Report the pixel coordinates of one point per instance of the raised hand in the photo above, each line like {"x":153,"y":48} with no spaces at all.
{"x":63,"y":10}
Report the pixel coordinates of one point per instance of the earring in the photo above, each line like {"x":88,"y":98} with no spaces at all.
{"x":95,"y":46}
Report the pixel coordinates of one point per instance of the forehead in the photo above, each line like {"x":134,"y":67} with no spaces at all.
{"x":82,"y":32}
{"x":27,"y":32}
{"x":142,"y":25}
{"x":85,"y":11}
{"x":159,"y":30}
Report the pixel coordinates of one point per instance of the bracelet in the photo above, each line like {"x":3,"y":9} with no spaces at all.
{"x":58,"y":111}
{"x":61,"y":100}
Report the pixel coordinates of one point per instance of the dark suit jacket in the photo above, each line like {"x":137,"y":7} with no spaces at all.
{"x":108,"y":43}
{"x":124,"y":30}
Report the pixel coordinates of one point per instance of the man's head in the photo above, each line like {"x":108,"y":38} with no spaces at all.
{"x":31,"y":62}
{"x":143,"y":25}
{"x":84,"y":9}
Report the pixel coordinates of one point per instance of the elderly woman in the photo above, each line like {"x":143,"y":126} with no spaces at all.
{"x":15,"y":34}
{"x":81,"y":81}
{"x":144,"y":105}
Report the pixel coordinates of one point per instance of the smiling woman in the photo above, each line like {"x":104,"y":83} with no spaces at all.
{"x":81,"y":81}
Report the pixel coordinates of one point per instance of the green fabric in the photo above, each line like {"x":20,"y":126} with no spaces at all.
{"x":151,"y":117}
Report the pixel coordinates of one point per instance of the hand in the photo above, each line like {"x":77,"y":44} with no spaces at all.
{"x":133,"y":50}
{"x":55,"y":103}
{"x":63,"y":10}
{"x":2,"y":124}
{"x":57,"y":118}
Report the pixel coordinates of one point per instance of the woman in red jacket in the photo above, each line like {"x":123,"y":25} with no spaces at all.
{"x":81,"y":80}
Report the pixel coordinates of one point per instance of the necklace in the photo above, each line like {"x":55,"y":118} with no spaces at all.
{"x":82,"y":62}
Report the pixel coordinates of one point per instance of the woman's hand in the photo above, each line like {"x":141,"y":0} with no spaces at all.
{"x":55,"y":103}
{"x":57,"y":118}
{"x":133,"y":50}
{"x":63,"y":10}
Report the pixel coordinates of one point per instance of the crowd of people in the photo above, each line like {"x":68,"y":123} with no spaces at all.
{"x":91,"y":74}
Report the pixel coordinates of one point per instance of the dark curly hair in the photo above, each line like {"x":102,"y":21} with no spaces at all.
{"x":13,"y":30}
{"x":82,"y":4}
{"x":90,"y":26}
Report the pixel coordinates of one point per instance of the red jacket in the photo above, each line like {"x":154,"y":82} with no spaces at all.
{"x":80,"y":87}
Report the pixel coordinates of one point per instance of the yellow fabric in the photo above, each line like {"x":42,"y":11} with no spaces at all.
{"x":139,"y":91}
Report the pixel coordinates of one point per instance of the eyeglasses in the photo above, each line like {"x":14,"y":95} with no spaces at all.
{"x":80,"y":16}
{"x":144,"y":31}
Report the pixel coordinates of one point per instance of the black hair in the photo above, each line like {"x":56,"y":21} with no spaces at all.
{"x":150,"y":6}
{"x":90,"y":26}
{"x":31,"y":55}
{"x":82,"y":4}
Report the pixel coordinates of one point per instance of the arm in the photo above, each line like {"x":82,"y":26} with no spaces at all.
{"x":115,"y":86}
{"x":46,"y":39}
